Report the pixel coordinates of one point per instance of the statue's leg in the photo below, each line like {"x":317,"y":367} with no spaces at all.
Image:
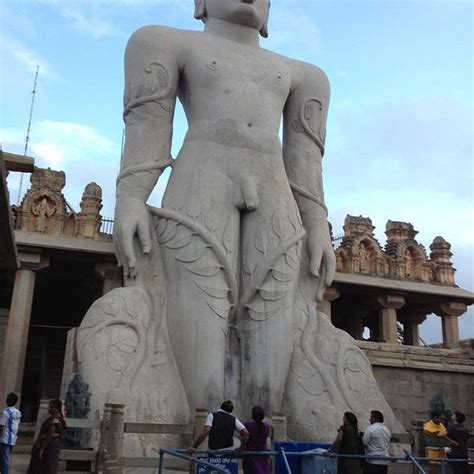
{"x":271,"y":248}
{"x":198,"y":235}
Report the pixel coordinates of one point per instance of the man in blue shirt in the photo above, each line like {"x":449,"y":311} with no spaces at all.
{"x":9,"y":422}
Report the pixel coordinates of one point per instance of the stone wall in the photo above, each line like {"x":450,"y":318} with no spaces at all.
{"x":70,"y":362}
{"x":411,"y":377}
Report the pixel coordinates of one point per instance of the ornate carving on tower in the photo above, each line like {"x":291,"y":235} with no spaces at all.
{"x":89,"y":219}
{"x":407,"y":256}
{"x":441,"y":257}
{"x":360,"y":252}
{"x":43,"y":208}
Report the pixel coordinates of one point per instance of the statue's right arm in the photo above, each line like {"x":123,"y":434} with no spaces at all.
{"x":151,"y":80}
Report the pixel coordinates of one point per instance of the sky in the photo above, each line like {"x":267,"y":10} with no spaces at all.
{"x":400,"y":128}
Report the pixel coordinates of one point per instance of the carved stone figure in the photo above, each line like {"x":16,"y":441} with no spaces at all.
{"x":77,"y":405}
{"x":222,"y":280}
{"x":43,"y":211}
{"x":43,"y":208}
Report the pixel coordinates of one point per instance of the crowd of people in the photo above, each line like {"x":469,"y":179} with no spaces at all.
{"x":351,"y":443}
{"x":256,"y":434}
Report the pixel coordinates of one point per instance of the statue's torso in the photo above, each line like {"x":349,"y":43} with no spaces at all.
{"x":233,"y":94}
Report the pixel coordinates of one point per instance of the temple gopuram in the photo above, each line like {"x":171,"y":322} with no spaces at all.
{"x":54,"y":262}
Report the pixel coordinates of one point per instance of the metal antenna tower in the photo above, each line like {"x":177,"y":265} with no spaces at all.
{"x":27,"y":139}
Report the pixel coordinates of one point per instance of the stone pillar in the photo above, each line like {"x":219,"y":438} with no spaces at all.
{"x":3,"y":329}
{"x":357,"y":321}
{"x":331,"y":294}
{"x":70,"y":366}
{"x":42,"y":415}
{"x":388,"y":316}
{"x":199,"y":420}
{"x":411,"y":324}
{"x":114,"y":448}
{"x":112,"y":275}
{"x":449,"y":313}
{"x":279,"y":427}
{"x":104,"y":431}
{"x":16,"y":337}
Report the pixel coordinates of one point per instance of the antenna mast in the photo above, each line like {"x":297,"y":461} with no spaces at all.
{"x":27,"y":139}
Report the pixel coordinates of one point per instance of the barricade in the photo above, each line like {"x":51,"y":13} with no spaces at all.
{"x":318,"y":463}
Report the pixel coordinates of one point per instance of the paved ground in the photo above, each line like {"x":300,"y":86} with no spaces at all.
{"x":19,"y":463}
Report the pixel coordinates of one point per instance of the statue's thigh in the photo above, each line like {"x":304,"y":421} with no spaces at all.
{"x":271,"y":243}
{"x":198,"y":248}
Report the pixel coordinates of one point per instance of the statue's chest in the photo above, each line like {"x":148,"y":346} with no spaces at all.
{"x":239,"y":70}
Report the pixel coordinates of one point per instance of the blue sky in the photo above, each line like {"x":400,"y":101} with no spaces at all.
{"x":400,"y":130}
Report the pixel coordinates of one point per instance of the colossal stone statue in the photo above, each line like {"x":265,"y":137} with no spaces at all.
{"x":222,"y":280}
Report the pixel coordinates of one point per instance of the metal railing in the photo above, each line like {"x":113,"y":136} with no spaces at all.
{"x":415,"y":462}
{"x":107,"y":226}
{"x":337,"y":241}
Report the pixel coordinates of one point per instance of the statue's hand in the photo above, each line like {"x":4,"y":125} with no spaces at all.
{"x":131,"y":218}
{"x":321,"y":253}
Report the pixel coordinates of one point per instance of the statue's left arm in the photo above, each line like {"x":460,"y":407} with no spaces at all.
{"x":304,"y":135}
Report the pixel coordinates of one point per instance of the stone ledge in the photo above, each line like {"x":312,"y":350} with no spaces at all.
{"x":420,"y":358}
{"x":436,"y":289}
{"x":59,"y":242}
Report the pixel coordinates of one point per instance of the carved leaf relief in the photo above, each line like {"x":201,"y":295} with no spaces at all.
{"x":228,"y":237}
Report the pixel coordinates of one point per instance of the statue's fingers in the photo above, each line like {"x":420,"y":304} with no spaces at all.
{"x":316,"y":255}
{"x":119,"y":254}
{"x":127,"y":243}
{"x":117,"y":249}
{"x":144,"y":235}
{"x":321,"y":285}
{"x":330,"y":265}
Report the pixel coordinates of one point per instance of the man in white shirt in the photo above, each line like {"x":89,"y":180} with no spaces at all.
{"x":9,"y":422}
{"x":220,"y":427}
{"x":376,"y":440}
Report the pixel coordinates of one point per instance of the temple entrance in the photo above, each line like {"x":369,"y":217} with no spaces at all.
{"x":63,"y":293}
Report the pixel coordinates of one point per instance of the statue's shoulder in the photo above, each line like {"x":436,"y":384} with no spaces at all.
{"x":302,"y":74}
{"x":155,"y":35}
{"x":308,"y":75}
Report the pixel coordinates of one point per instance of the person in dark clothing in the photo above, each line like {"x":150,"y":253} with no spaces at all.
{"x":45,"y":452}
{"x":220,"y":427}
{"x":348,"y":441}
{"x":460,"y":435}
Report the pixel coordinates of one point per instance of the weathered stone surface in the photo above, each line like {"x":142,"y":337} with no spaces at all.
{"x":222,"y":281}
{"x":411,"y":376}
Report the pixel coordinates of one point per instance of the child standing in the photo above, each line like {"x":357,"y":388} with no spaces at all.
{"x":9,"y":422}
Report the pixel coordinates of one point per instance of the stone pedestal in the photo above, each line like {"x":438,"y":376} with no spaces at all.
{"x":112,"y":275}
{"x":331,"y":294}
{"x":16,"y":337}
{"x":279,"y":427}
{"x":388,"y":316}
{"x":199,"y":420}
{"x":449,"y":313}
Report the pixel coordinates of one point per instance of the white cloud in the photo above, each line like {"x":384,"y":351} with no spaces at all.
{"x":90,"y":23}
{"x":78,"y":150}
{"x":17,"y":55}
